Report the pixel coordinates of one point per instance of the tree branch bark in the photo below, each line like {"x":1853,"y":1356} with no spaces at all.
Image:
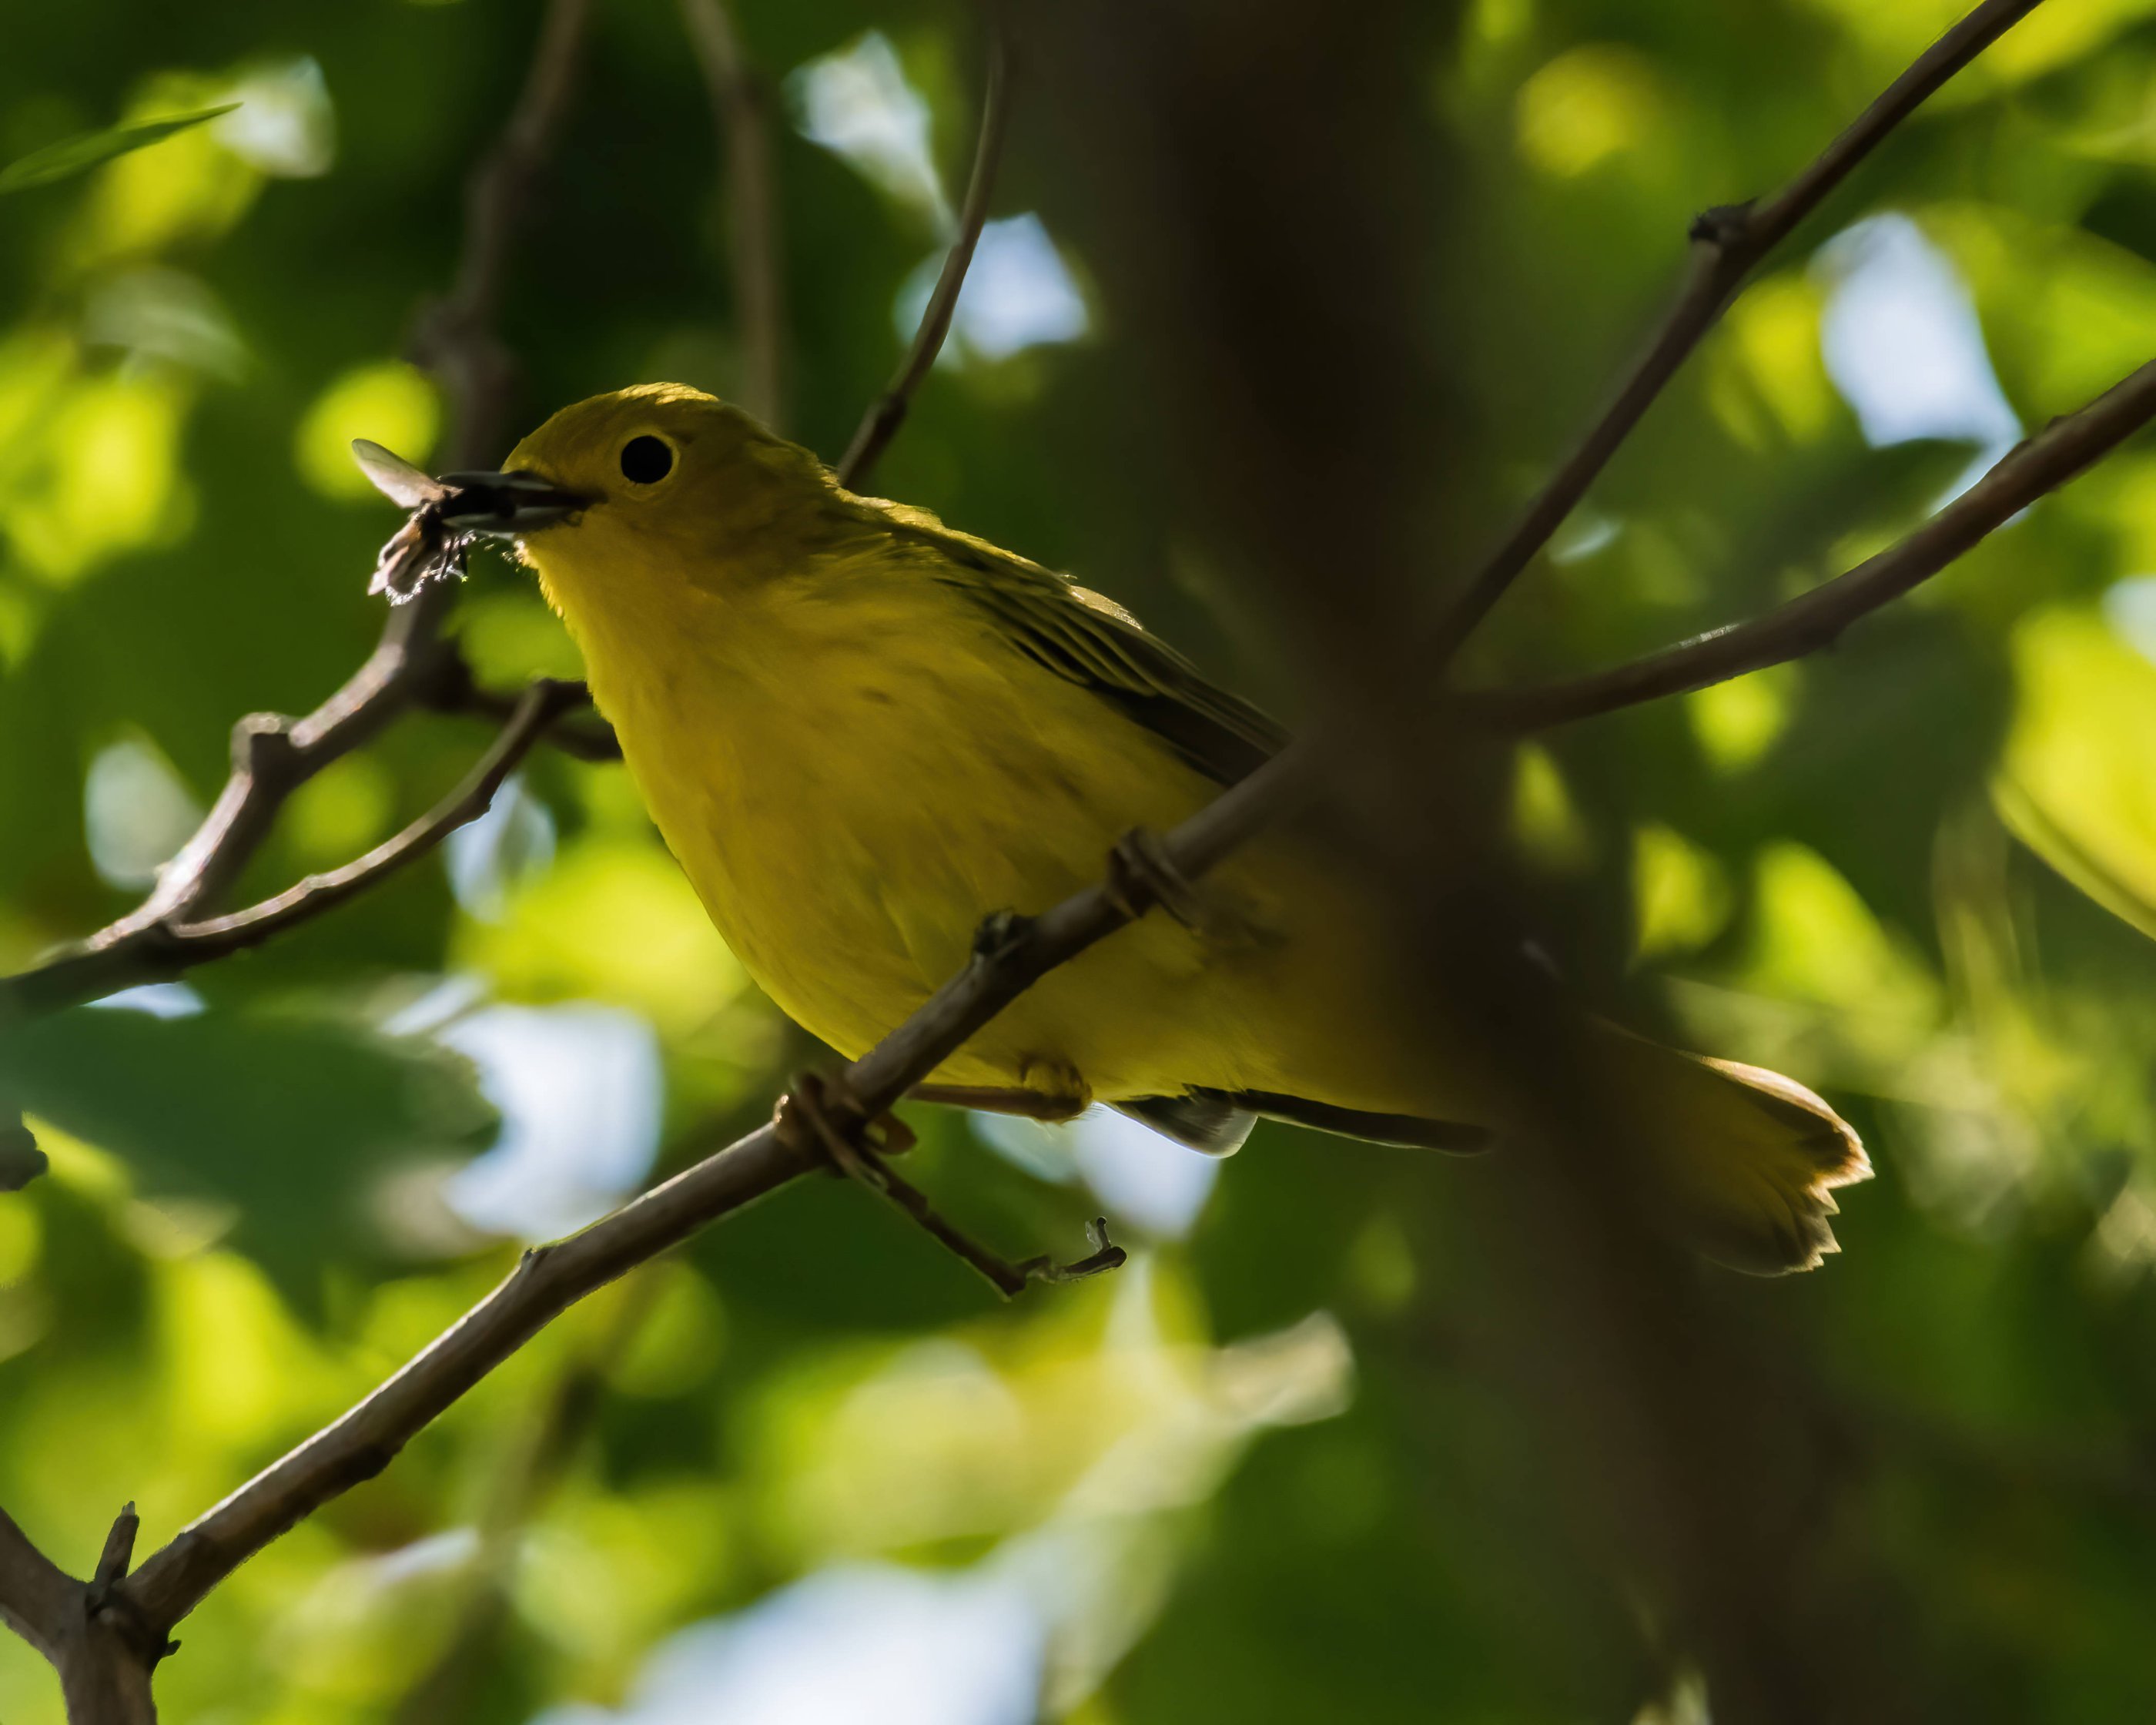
{"x":1728,"y":243}
{"x":881,"y":424}
{"x":137,"y":951}
{"x":1816,"y":619}
{"x":35,"y":1594}
{"x":102,"y":1649}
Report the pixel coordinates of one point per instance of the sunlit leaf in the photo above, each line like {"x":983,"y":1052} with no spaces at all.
{"x":79,"y":154}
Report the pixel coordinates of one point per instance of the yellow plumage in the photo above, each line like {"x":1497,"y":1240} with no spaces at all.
{"x":861,"y":733}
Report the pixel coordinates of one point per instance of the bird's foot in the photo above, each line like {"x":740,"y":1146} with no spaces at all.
{"x":1061,"y":1088}
{"x":999,"y":934}
{"x":818,"y":1115}
{"x":1142,"y":874}
{"x":998,"y":1099}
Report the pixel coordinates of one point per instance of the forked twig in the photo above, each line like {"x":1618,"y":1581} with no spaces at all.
{"x":1816,"y":619}
{"x":1727,"y":243}
{"x":142,"y":950}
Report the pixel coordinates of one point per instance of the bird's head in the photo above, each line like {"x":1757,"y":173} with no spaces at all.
{"x":639,"y":500}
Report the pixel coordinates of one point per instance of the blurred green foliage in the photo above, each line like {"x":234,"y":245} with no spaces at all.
{"x":1280,"y":1467}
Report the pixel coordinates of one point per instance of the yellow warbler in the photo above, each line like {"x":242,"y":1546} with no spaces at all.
{"x":861,"y":733}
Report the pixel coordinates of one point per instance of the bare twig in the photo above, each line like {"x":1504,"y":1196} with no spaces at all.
{"x":741,"y":104}
{"x":1816,"y":619}
{"x":93,"y":1637}
{"x":879,"y":425}
{"x":112,"y":1562}
{"x":548,"y":1280}
{"x":155,"y":951}
{"x":1727,"y":243}
{"x":272,"y":756}
{"x":454,"y":690}
{"x":36,"y":1596}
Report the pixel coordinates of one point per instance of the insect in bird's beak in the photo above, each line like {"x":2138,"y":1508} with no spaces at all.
{"x":447,"y":513}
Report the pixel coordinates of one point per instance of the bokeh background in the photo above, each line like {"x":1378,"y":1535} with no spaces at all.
{"x":1285,"y":1467}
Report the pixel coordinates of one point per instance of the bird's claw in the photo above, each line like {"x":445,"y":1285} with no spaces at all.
{"x":819,"y":1115}
{"x":998,"y":933}
{"x":1105,"y":1256}
{"x":1142,"y":874}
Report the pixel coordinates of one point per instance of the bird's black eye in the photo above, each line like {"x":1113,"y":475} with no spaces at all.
{"x":646,"y":460}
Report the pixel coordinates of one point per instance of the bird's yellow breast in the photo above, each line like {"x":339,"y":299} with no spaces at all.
{"x":855,"y":769}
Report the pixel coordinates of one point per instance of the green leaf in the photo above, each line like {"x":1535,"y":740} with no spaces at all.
{"x":87,"y":150}
{"x":293,"y":1122}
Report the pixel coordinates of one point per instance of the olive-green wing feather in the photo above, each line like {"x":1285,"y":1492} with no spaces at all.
{"x":1093,"y":642}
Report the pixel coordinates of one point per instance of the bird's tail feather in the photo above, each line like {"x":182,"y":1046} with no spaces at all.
{"x":1743,"y":1162}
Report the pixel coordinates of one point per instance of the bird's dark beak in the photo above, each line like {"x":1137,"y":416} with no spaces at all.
{"x":506,"y":503}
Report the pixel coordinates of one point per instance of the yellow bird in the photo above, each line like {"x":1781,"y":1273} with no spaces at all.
{"x":861,"y":733}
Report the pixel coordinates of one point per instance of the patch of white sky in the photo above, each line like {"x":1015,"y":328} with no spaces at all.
{"x":137,"y":811}
{"x":1902,"y":342}
{"x":580,"y":1089}
{"x":487,"y":857}
{"x":1143,"y":1179}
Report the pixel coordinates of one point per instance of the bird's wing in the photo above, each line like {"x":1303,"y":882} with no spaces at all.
{"x":397,"y":480}
{"x":1093,"y":642}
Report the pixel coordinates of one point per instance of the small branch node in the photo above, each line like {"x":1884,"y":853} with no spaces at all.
{"x":1727,"y":227}
{"x":114,"y":1561}
{"x":261,"y":745}
{"x":21,"y":1160}
{"x":1000,"y":937}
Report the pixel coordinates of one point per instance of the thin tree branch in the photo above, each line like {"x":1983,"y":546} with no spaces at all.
{"x":147,"y":951}
{"x":1727,"y":243}
{"x":198,"y":942}
{"x":881,"y":424}
{"x":91,"y":1634}
{"x":37,"y":1597}
{"x":1014,"y":955}
{"x":741,"y":104}
{"x":1817,"y":619}
{"x":454,"y":690}
{"x":548,"y":1281}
